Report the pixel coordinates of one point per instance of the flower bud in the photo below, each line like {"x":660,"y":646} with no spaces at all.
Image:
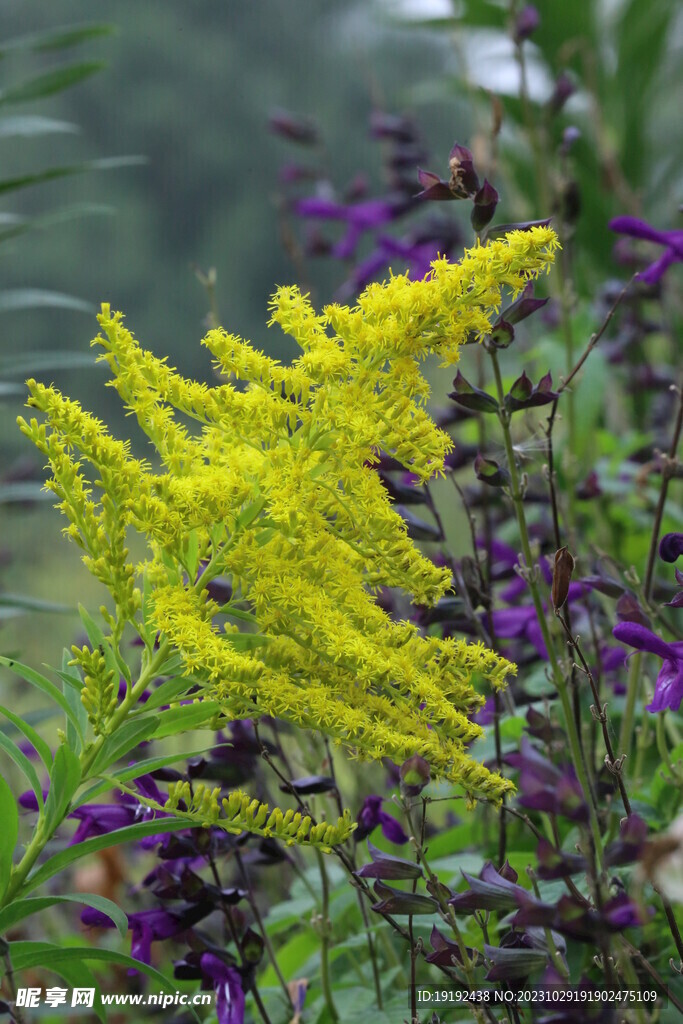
{"x":562,"y":575}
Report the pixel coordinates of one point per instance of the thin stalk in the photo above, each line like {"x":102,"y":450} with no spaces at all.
{"x":361,"y":902}
{"x":325,"y":939}
{"x":261,"y":927}
{"x":560,"y":683}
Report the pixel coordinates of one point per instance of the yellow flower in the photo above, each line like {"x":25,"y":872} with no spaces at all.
{"x":275,"y":490}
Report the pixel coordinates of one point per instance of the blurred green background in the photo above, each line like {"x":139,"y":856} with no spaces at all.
{"x":189,"y":87}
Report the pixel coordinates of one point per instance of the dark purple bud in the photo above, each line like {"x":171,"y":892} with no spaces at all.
{"x":292,"y":127}
{"x":469,"y":397}
{"x":564,"y":88}
{"x":399,"y":903}
{"x":384,"y":866}
{"x":523,"y":307}
{"x":391,"y":126}
{"x":671,"y":546}
{"x":523,"y":225}
{"x":418,"y":529}
{"x":485,"y":203}
{"x":371,"y":816}
{"x":415,"y":775}
{"x":628,"y":609}
{"x":311,"y":784}
{"x":492,"y":891}
{"x":509,"y":964}
{"x":562,"y":576}
{"x":606,"y":585}
{"x":526,"y":22}
{"x":523,"y":395}
{"x":489,"y":472}
{"x":445,"y":949}
{"x":590,"y":488}
{"x":433,"y":187}
{"x":252,"y":946}
{"x":630,"y":844}
{"x":404,"y":493}
{"x":502,"y":334}
{"x":557,"y":864}
{"x":570,"y":202}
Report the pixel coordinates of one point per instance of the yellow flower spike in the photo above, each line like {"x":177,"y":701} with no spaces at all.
{"x":270,"y":485}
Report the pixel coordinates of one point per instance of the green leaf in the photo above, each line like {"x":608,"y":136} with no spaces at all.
{"x":72,"y":686}
{"x":38,"y":744}
{"x":112,"y":659}
{"x":249,"y":514}
{"x":28,"y":125}
{"x":130,"y":834}
{"x":182,"y":719}
{"x":166,"y":693}
{"x":51,"y":82}
{"x":38,"y":362}
{"x":51,"y":173}
{"x":151,"y":764}
{"x":25,"y":955}
{"x":25,"y":602}
{"x":9,"y":833}
{"x":24,"y":492}
{"x":38,"y":298}
{"x":45,"y":686}
{"x":34,"y":904}
{"x":246,"y":641}
{"x":23,"y":225}
{"x":57,"y":39}
{"x":126,"y":737}
{"x":22,"y":762}
{"x":65,"y":779}
{"x":77,"y":975}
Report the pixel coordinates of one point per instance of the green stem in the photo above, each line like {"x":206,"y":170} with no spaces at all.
{"x":325,"y":940}
{"x":558,"y":679}
{"x":632,"y":688}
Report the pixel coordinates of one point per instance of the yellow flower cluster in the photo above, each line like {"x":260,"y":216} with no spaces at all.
{"x":274,"y":489}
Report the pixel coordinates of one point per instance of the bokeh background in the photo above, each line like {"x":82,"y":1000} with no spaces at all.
{"x":184,"y":91}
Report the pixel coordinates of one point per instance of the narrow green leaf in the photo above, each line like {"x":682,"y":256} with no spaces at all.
{"x":43,"y":684}
{"x":52,"y":173}
{"x":77,"y":975}
{"x":166,"y":693}
{"x":38,"y":362}
{"x":130,"y":834}
{"x":36,"y":741}
{"x":34,"y":904}
{"x":14,"y":299}
{"x":72,"y":686}
{"x":33,"y":604}
{"x":9,"y":833}
{"x":23,"y":225}
{"x":182,"y":719}
{"x":151,"y":764}
{"x":249,"y":514}
{"x":65,"y":779}
{"x":51,"y":82}
{"x":126,"y":737}
{"x":28,"y":125}
{"x":22,"y":762}
{"x":25,"y":955}
{"x":23,"y":492}
{"x":57,"y":38}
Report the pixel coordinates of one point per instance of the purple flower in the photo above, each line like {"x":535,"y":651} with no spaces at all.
{"x":671,"y":546}
{"x":99,"y":819}
{"x":546,"y":787}
{"x":671,"y":240}
{"x":228,"y":988}
{"x":150,"y":926}
{"x":359,"y":217}
{"x":669,"y":684}
{"x":371,"y":815}
{"x":526,"y":23}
